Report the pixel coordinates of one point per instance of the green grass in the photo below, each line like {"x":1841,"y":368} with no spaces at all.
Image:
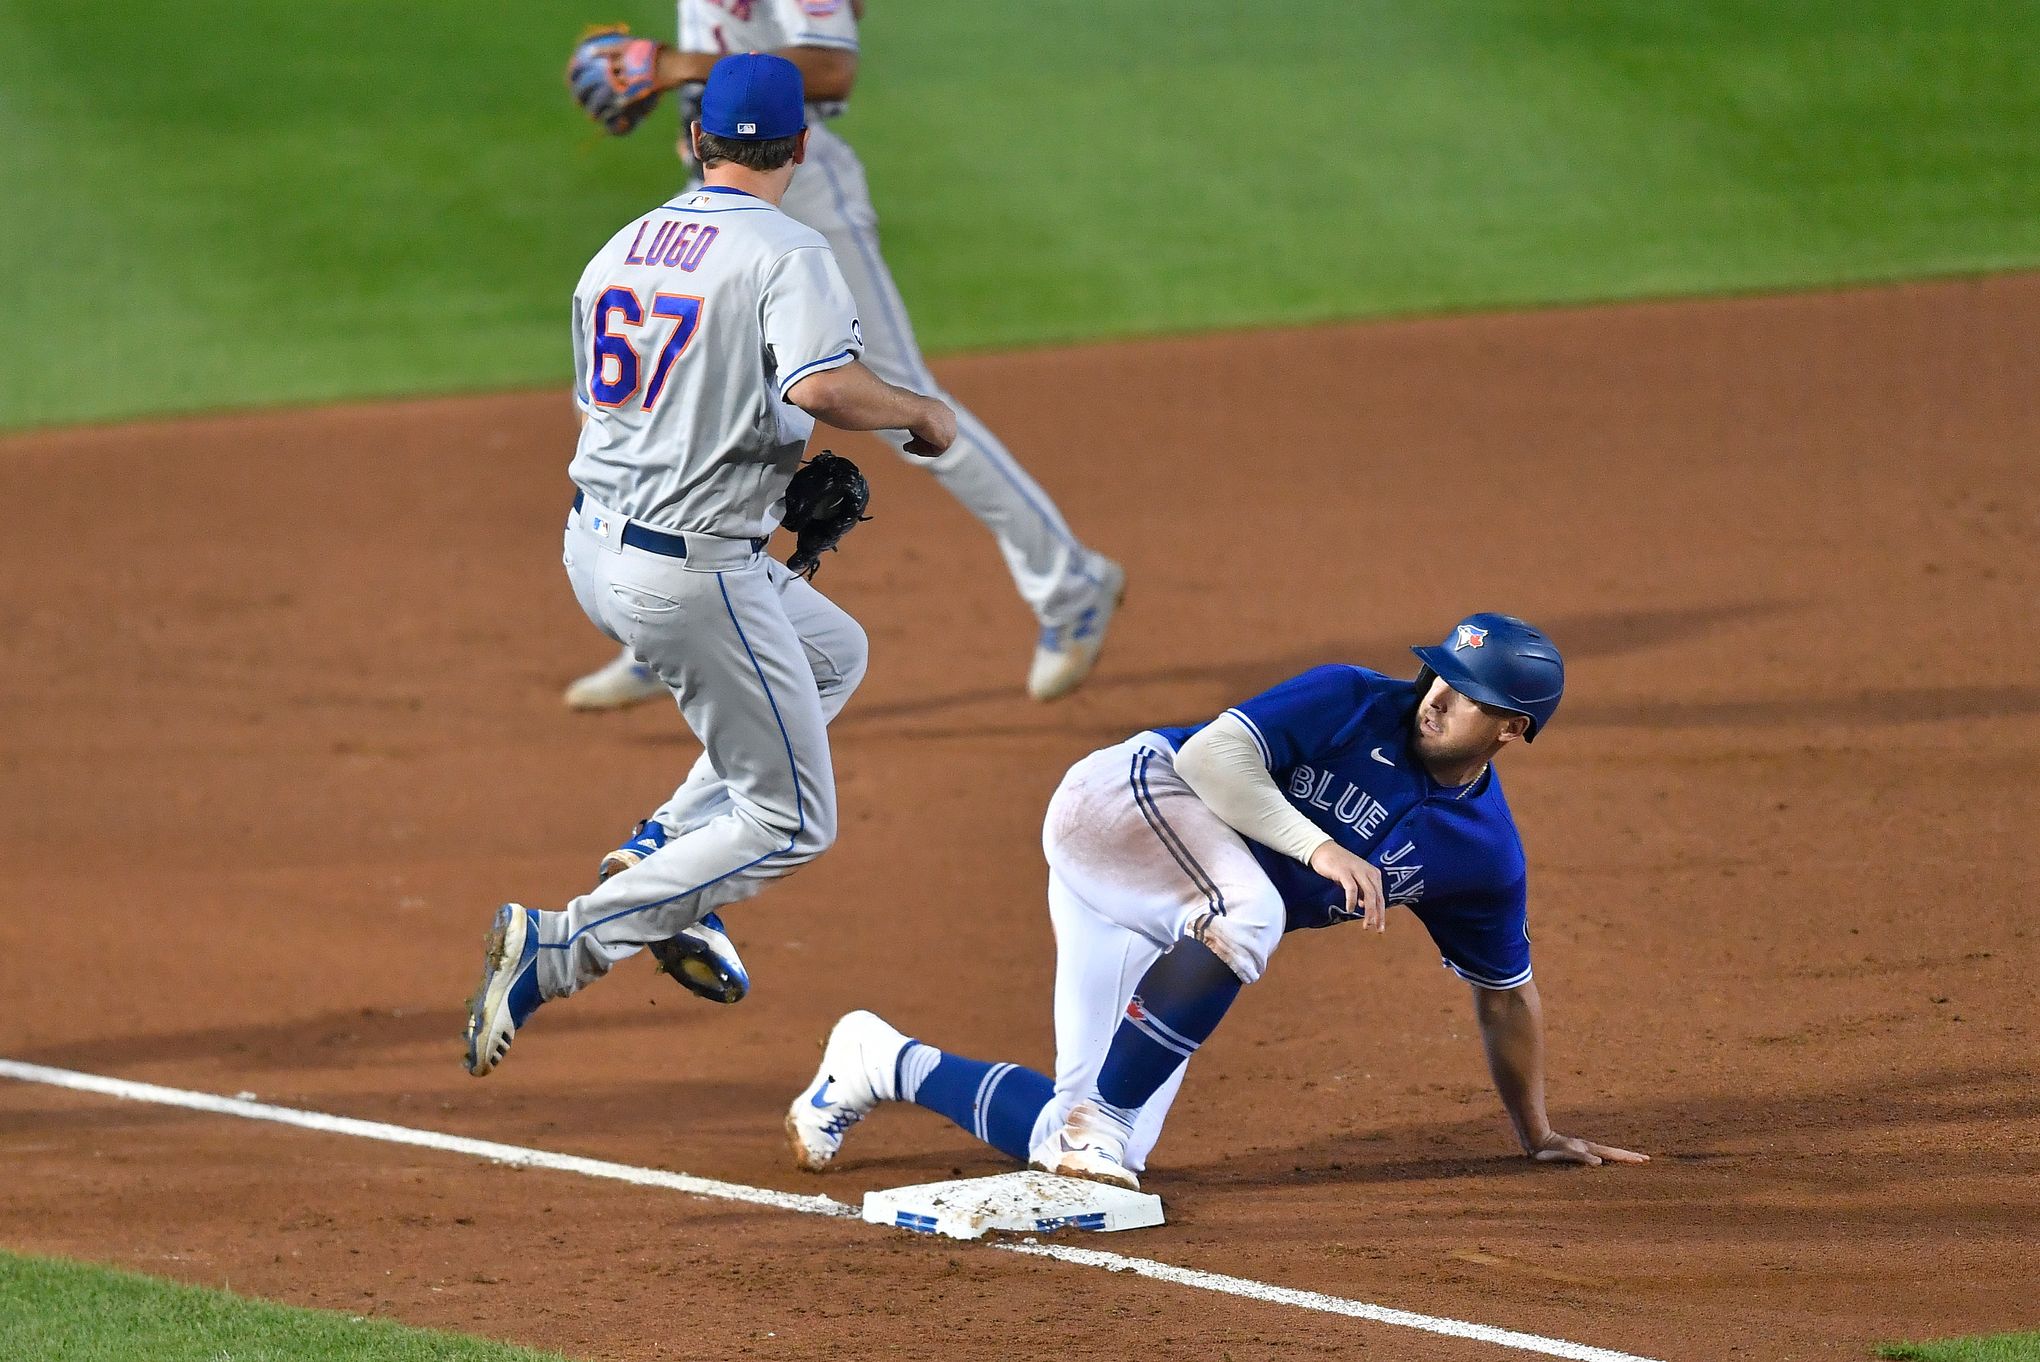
{"x":209,"y":204}
{"x":67,"y":1312}
{"x":1997,"y":1348}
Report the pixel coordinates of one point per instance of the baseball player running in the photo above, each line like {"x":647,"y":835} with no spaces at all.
{"x":709,"y":336}
{"x":1179,"y":859}
{"x":1071,"y":589}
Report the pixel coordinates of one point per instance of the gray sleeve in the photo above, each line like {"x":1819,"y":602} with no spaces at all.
{"x":820,"y":23}
{"x":580,"y":331}
{"x":809,"y":317}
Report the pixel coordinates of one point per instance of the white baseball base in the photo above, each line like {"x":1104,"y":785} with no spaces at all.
{"x":1022,"y":1203}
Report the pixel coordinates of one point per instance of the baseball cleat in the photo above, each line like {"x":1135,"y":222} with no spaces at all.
{"x":646,"y":838}
{"x":1089,"y":1146}
{"x":508,"y":992}
{"x":619,"y":684}
{"x":702,"y":959}
{"x":857,"y":1074}
{"x":1067,"y":652}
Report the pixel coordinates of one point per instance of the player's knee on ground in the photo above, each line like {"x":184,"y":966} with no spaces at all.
{"x":1244,"y":935}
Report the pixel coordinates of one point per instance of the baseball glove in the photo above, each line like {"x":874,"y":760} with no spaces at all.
{"x":611,"y":74}
{"x":824,"y":502}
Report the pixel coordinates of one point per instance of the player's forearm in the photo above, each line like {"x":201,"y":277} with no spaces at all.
{"x":677,"y":68}
{"x":826,"y":73}
{"x":1512,"y":1032}
{"x":1223,"y":768}
{"x":852,"y":397}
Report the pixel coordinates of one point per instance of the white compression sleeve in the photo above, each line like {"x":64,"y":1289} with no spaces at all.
{"x":1222,"y":766}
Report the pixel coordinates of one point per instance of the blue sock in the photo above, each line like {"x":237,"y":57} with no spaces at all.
{"x":998,"y":1103}
{"x":1179,"y":1003}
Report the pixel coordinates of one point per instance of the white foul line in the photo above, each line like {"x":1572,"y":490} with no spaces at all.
{"x":424,"y":1139}
{"x":711,"y":1188}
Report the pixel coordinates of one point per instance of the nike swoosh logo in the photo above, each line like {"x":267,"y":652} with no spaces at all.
{"x":1376,"y":754}
{"x":821,"y":1097}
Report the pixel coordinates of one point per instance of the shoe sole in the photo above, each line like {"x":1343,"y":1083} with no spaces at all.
{"x":485,"y":1009}
{"x":801,"y":1158}
{"x":704,"y":980}
{"x":1127,"y":1181}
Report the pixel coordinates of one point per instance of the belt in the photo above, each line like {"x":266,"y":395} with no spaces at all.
{"x":641,"y":536}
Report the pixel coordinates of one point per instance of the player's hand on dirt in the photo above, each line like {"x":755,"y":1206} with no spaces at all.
{"x":1557,"y":1148}
{"x":1361,"y":881}
{"x":934,"y":432}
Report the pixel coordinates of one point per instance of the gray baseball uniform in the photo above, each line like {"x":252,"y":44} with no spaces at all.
{"x":690,"y":326}
{"x":1071,"y":589}
{"x":1055,"y":573}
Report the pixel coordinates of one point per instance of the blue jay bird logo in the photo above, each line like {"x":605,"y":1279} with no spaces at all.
{"x":1470,"y":636}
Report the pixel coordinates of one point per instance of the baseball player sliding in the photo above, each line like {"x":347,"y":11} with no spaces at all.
{"x":709,"y":336}
{"x":1071,"y":589}
{"x":1179,"y":859}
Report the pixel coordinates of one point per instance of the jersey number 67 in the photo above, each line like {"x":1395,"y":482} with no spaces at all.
{"x":615,"y":363}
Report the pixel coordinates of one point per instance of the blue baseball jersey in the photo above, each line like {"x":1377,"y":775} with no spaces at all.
{"x":1338,"y":741}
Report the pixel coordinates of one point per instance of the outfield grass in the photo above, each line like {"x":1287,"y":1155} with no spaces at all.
{"x":1996,"y":1348}
{"x":67,"y":1312}
{"x":248,"y":205}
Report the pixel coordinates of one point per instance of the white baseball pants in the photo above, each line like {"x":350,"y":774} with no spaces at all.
{"x":1135,"y":860}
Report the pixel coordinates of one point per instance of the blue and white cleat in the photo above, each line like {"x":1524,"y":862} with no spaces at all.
{"x":618,"y":684}
{"x":508,"y":992}
{"x":702,"y":959}
{"x":646,"y":838}
{"x":859,"y":1063}
{"x":1068,"y":651}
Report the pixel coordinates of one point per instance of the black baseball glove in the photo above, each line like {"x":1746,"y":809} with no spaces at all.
{"x":611,"y":74}
{"x":824,"y":502}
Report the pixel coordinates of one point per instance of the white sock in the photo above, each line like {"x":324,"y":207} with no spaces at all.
{"x":914,"y":1064}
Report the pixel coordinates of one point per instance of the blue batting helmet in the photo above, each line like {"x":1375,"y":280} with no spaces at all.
{"x":1500,"y":661}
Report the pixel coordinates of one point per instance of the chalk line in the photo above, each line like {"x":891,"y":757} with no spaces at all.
{"x":716,"y":1190}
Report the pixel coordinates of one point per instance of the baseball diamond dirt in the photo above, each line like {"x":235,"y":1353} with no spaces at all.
{"x":281,"y":722}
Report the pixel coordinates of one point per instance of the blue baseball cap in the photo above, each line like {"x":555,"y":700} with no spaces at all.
{"x":753,"y":97}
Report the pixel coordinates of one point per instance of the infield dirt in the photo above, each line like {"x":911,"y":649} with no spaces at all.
{"x":281,"y":726}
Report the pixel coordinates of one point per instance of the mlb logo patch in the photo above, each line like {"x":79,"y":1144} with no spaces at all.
{"x":747,"y":129}
{"x":821,"y":9}
{"x":1470,"y":636}
{"x":598,"y":525}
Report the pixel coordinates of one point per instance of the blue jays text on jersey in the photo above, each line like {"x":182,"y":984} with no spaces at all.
{"x":1339,"y":742}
